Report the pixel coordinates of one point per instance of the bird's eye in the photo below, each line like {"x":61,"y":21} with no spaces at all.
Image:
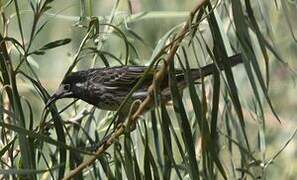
{"x":67,"y":87}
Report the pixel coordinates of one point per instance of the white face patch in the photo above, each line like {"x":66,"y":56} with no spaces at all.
{"x":140,"y":94}
{"x":79,"y":84}
{"x":111,"y":88}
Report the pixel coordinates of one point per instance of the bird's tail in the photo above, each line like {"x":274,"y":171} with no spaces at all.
{"x":204,"y":71}
{"x":210,"y":68}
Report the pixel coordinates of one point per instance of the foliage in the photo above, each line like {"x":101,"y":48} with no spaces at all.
{"x":230,"y":125}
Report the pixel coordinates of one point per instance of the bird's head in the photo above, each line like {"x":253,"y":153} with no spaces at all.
{"x":71,"y":87}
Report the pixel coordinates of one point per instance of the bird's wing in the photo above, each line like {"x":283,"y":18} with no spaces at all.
{"x":122,"y":76}
{"x":120,"y":80}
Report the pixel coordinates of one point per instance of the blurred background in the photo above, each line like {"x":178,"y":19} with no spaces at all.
{"x":150,"y":21}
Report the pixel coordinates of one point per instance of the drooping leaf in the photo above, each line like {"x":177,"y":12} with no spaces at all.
{"x":55,"y":44}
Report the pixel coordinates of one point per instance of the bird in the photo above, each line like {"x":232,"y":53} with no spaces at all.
{"x":106,"y":88}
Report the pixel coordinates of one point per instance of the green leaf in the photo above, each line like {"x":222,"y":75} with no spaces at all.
{"x":169,"y":156}
{"x":55,"y":44}
{"x":128,"y":160}
{"x":7,"y":146}
{"x":106,"y":167}
{"x":184,"y":124}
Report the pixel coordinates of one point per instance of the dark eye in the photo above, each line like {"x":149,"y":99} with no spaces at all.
{"x":67,"y":87}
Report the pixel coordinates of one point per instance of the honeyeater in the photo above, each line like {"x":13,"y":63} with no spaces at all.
{"x":106,"y":88}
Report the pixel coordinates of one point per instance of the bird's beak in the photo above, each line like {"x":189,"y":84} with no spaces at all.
{"x":60,"y":93}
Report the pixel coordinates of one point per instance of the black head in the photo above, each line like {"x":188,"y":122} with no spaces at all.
{"x":71,"y":87}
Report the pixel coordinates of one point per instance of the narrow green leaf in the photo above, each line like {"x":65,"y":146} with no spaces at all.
{"x":149,"y":156}
{"x":117,"y":161}
{"x":106,"y":167}
{"x":259,"y":37}
{"x":40,"y":137}
{"x":209,"y":138}
{"x":57,"y":121}
{"x":156,"y":136}
{"x":184,"y":124}
{"x":128,"y":160}
{"x":55,"y":44}
{"x":146,"y":160}
{"x":5,"y":148}
{"x":137,"y":172}
{"x":221,"y":58}
{"x":169,"y":158}
{"x":249,"y":55}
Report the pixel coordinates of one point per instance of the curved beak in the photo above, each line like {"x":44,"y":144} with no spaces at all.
{"x":60,"y":93}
